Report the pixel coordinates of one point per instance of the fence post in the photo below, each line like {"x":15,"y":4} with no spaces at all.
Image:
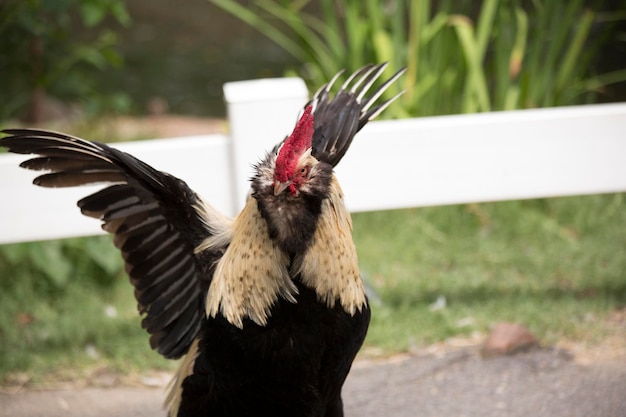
{"x":260,"y":113}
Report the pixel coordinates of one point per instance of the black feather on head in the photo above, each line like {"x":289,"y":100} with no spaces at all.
{"x":339,"y":118}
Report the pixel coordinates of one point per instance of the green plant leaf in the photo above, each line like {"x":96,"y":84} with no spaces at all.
{"x":574,"y":50}
{"x":102,"y":252}
{"x":512,"y":98}
{"x":519,"y":47}
{"x":49,"y":259}
{"x":120,"y":13}
{"x":92,"y":13}
{"x":475,"y":97}
{"x":296,"y":22}
{"x":255,"y":21}
{"x":383,"y":47}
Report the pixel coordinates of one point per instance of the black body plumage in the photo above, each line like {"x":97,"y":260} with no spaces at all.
{"x":290,"y":359}
{"x":296,"y":365}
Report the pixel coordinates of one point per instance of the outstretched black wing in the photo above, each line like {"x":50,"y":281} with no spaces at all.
{"x":156,"y":219}
{"x":339,"y":118}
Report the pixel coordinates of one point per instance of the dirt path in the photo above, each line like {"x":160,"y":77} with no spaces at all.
{"x":459,"y":383}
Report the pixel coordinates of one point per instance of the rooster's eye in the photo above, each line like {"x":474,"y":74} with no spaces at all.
{"x":304,"y":171}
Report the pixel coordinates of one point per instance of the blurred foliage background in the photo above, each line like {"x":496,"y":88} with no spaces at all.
{"x":462,"y":56}
{"x":41,"y":54}
{"x":101,"y":56}
{"x":67,"y":305}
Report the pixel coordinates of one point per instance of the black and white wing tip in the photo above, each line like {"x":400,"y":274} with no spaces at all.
{"x":153,"y":216}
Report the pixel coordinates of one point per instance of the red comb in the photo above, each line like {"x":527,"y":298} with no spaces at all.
{"x":298,"y":142}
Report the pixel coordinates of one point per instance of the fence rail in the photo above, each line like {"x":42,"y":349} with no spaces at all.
{"x":391,"y":164}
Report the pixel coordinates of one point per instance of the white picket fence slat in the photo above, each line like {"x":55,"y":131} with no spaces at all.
{"x":391,"y":164}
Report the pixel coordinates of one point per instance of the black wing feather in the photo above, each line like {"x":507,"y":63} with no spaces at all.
{"x":152,"y":217}
{"x":339,"y":118}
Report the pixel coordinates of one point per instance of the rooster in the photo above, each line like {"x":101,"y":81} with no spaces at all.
{"x":267,"y":310}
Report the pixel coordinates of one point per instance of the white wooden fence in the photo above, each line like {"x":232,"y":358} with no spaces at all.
{"x":391,"y":164}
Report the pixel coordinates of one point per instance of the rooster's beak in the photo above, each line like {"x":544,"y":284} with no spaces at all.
{"x":279,"y":187}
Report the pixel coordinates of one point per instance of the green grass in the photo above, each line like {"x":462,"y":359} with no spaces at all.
{"x":555,"y":265}
{"x":58,"y":330}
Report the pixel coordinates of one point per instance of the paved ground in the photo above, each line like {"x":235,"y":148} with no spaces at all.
{"x":459,"y":383}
